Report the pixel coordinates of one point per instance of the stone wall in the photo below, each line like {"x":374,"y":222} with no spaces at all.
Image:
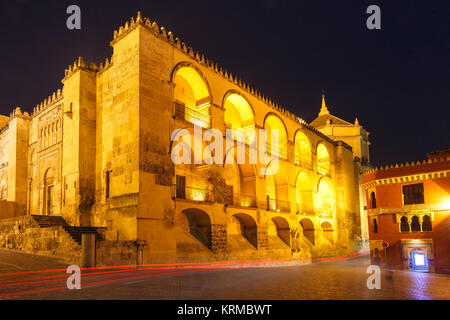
{"x":116,"y":253}
{"x":23,"y":234}
{"x":10,"y":209}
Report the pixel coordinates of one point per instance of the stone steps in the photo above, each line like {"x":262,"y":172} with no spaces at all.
{"x":74,"y":232}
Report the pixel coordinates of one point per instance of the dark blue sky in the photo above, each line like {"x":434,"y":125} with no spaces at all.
{"x":395,"y":80}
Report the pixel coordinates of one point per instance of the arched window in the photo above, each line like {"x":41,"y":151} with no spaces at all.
{"x":304,"y":193}
{"x":404,"y":225}
{"x":239,"y":117}
{"x":375,"y":226}
{"x":192,"y":98}
{"x":272,"y":124}
{"x":323,"y":159}
{"x":324,"y":199}
{"x":426,"y":223}
{"x":415,"y":225}
{"x":302,"y":150}
{"x":373,"y":200}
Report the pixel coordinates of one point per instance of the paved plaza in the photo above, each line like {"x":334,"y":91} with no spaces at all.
{"x":343,"y":279}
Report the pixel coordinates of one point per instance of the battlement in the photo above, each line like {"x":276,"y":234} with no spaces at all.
{"x":79,"y":65}
{"x":412,"y":164}
{"x":52,"y":99}
{"x":17,"y":113}
{"x":103,"y":67}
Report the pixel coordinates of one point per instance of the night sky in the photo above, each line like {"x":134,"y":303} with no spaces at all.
{"x":395,"y":80}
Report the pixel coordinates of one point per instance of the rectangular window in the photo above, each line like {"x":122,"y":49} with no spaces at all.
{"x":181,"y":187}
{"x":413,"y":194}
{"x":107,"y":183}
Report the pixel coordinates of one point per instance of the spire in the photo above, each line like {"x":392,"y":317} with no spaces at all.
{"x":324,"y":109}
{"x":356,"y":122}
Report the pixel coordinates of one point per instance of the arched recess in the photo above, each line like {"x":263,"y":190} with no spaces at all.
{"x":244,"y":225}
{"x":277,"y":187}
{"x":239,"y":116}
{"x":327,"y":231}
{"x":404,"y":224}
{"x":199,"y":225}
{"x":49,"y":179}
{"x":415,"y":224}
{"x":192,"y":95}
{"x":303,"y":154}
{"x":244,"y":185}
{"x":308,"y":230}
{"x":304,"y":193}
{"x":191,"y":181}
{"x":325,"y":199}
{"x":373,"y":200}
{"x":279,"y":227}
{"x":323,"y":159}
{"x":426,"y":223}
{"x":274,"y":122}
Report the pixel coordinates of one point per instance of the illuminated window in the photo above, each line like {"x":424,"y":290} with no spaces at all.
{"x":302,"y":150}
{"x":419,"y":259}
{"x":192,"y":99}
{"x":239,"y":117}
{"x":413,"y":194}
{"x":323,"y":159}
{"x":274,"y":124}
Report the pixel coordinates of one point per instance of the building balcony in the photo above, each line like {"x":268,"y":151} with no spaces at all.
{"x":301,"y":210}
{"x":193,"y":194}
{"x":246,"y":135}
{"x":278,"y":205}
{"x":244,"y":201}
{"x":303,"y":162}
{"x":193,"y":116}
{"x":280,"y":149}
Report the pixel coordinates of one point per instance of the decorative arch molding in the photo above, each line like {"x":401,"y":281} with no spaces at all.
{"x":186,"y":64}
{"x":270,"y":113}
{"x":237,"y":92}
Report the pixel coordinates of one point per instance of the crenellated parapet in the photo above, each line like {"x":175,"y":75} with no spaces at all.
{"x":408,"y":169}
{"x":52,"y":99}
{"x":17,"y":113}
{"x":79,"y":64}
{"x":106,"y":65}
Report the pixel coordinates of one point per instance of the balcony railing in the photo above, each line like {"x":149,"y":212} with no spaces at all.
{"x":193,"y":194}
{"x":244,"y":201}
{"x":278,"y":205}
{"x":280,"y":149}
{"x":245,"y":135}
{"x":301,"y":160}
{"x":191,"y":115}
{"x":303,"y":210}
{"x":323,"y":168}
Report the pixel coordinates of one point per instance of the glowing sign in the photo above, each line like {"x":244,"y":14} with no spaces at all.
{"x":419,"y":259}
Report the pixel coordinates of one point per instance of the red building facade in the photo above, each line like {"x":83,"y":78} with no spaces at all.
{"x":409,"y":214}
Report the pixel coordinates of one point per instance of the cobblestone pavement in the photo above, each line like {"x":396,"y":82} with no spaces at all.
{"x":344,"y":279}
